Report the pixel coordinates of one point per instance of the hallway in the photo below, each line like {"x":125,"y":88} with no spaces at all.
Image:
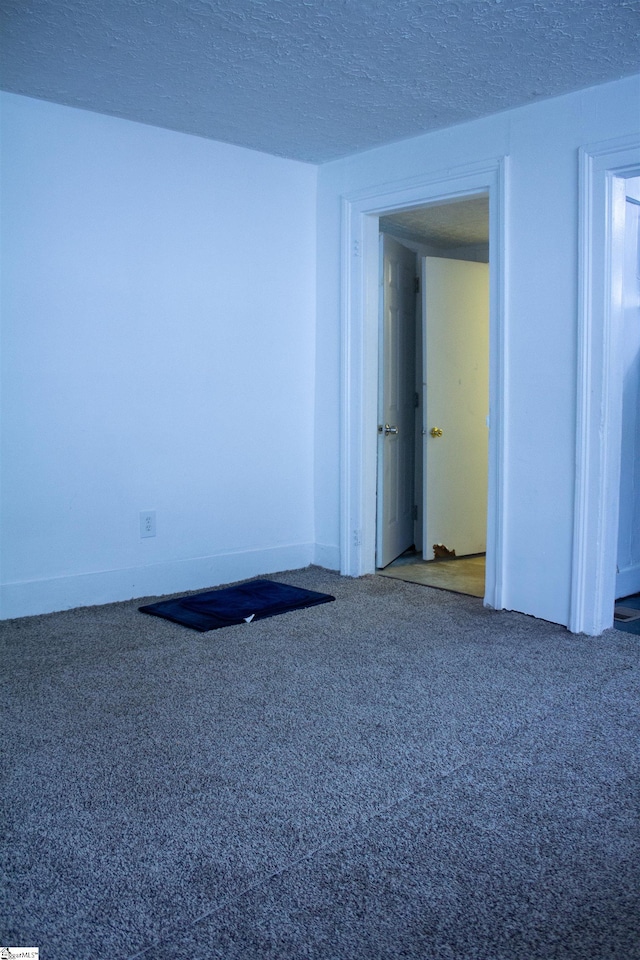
{"x":459,"y":575}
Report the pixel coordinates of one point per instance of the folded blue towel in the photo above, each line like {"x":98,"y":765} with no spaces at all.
{"x":254,"y":600}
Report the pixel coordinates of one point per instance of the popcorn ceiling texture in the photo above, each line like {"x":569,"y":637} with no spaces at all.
{"x":312,"y":79}
{"x":447,"y":224}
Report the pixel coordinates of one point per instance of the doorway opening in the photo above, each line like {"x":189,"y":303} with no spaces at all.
{"x":361,"y":213}
{"x":627,"y":592}
{"x":432,"y":478}
{"x":604,"y":171}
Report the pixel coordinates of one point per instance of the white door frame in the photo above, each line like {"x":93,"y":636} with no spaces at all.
{"x":360,"y":356}
{"x":599,"y":401}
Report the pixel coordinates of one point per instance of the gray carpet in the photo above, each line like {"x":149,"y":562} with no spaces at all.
{"x":398,"y":774}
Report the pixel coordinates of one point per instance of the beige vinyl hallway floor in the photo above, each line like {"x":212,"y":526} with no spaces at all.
{"x":463,"y":575}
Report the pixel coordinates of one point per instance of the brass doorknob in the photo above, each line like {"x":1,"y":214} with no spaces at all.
{"x":436,"y":432}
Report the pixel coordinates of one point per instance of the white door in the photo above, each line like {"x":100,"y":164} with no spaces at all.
{"x":456,"y":402}
{"x":628,"y":565}
{"x":396,"y":404}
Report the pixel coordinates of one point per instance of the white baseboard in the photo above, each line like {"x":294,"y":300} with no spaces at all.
{"x":32,"y":597}
{"x":327,"y":556}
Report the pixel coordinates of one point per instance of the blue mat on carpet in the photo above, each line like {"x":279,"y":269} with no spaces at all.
{"x":254,"y":600}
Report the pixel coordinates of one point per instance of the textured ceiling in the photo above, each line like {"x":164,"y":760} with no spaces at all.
{"x":451,"y":224}
{"x":312,"y":79}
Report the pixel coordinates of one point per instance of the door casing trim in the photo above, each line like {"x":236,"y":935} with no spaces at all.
{"x":602,"y":168}
{"x":360,"y":356}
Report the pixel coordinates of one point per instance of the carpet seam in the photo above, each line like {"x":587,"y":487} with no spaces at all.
{"x":349,"y":832}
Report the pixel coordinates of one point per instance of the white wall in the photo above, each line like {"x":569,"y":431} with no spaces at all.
{"x":158,"y":307}
{"x":159,"y":350}
{"x":542,"y":141}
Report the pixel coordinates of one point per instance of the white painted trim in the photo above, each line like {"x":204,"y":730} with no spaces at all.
{"x":31,"y":597}
{"x":360,"y":213}
{"x":327,"y":556}
{"x":599,"y":390}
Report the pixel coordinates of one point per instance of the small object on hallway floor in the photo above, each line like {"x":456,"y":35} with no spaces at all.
{"x":440,"y":552}
{"x":625,"y":614}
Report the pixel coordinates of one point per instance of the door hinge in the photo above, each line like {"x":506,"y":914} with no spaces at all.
{"x":416,"y":399}
{"x":415,"y":511}
{"x":417,"y":284}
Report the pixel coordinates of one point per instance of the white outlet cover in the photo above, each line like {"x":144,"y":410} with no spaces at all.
{"x":147,"y":523}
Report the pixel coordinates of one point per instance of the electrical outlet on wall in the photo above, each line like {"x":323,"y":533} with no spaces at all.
{"x":148,"y":523}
